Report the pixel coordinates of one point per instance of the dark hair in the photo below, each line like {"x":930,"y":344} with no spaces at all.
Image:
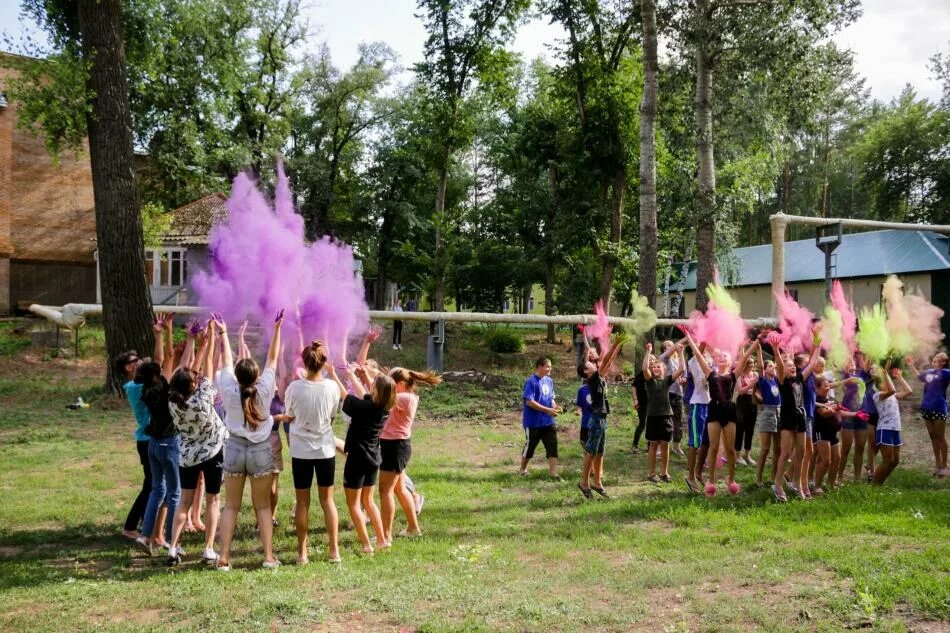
{"x":541,"y":361}
{"x":410,"y":377}
{"x":384,"y":392}
{"x":581,"y":369}
{"x":182,"y":386}
{"x":123,"y":359}
{"x":247,"y":371}
{"x":314,"y":356}
{"x":147,"y":374}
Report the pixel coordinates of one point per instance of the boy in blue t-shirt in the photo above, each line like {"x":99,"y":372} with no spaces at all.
{"x":537,"y":416}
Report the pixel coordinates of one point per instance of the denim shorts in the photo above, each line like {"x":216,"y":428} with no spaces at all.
{"x":242,"y":457}
{"x":767,"y":419}
{"x":596,"y":435}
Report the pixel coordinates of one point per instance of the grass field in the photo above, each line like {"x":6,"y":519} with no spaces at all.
{"x":500,"y":552}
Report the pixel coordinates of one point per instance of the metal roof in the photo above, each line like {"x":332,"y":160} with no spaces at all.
{"x":868,"y":254}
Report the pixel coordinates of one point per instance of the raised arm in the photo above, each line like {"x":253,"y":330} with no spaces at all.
{"x":812,"y":359}
{"x":207,"y":364}
{"x":744,"y":357}
{"x":888,"y":389}
{"x":609,"y":357}
{"x":779,"y":361}
{"x":331,"y":372}
{"x":758,"y":351}
{"x":355,"y":382}
{"x":158,"y":352}
{"x":909,"y":361}
{"x":192,"y":329}
{"x":227,"y":358}
{"x":371,"y":335}
{"x":646,"y":361}
{"x":682,"y":364}
{"x":905,"y":389}
{"x":698,"y":355}
{"x":243,"y":350}
{"x":274,"y":349}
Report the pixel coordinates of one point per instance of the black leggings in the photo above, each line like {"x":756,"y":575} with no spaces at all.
{"x":641,"y":425}
{"x":138,"y":507}
{"x":745,"y":426}
{"x":397,"y":332}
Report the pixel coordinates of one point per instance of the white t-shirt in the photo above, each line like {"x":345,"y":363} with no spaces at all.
{"x":233,"y":412}
{"x":700,"y":386}
{"x":312,"y":403}
{"x":888,"y":411}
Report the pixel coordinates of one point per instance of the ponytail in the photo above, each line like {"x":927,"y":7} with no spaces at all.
{"x":410,"y":377}
{"x":246,"y":371}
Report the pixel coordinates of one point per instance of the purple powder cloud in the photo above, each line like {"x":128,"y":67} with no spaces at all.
{"x":261,"y":263}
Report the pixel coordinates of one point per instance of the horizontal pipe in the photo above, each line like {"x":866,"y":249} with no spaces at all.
{"x":864,"y":224}
{"x":92,"y":309}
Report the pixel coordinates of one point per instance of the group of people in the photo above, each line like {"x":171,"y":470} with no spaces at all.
{"x":810,"y":419}
{"x":205,"y":421}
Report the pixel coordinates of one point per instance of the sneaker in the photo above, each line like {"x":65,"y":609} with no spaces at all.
{"x":741,"y":461}
{"x":750,"y":462}
{"x":395,"y":347}
{"x":210,"y":556}
{"x":145,"y":545}
{"x":274,"y":564}
{"x":419,"y":504}
{"x":678,"y":451}
{"x":173,"y":560}
{"x":635,"y":450}
{"x":721,"y":461}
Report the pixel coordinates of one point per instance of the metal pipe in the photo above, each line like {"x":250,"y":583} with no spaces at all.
{"x":863,"y":224}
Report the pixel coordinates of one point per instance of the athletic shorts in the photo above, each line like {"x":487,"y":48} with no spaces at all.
{"x":872,"y":419}
{"x":596,"y":435}
{"x":242,"y":457}
{"x":696,"y":425}
{"x":933,"y":416}
{"x":213,"y":470}
{"x":584,"y":433}
{"x":793,"y":420}
{"x":660,"y":428}
{"x":395,"y":454}
{"x":722,"y":412}
{"x":884,"y":437}
{"x":304,"y":470}
{"x":854,"y":424}
{"x":825,"y":432}
{"x":277,"y":450}
{"x":358,"y":473}
{"x":547,"y":435}
{"x":767,"y":418}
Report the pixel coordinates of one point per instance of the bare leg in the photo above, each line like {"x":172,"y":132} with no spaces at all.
{"x":729,"y":440}
{"x":408,"y":508}
{"x":651,"y":458}
{"x":212,"y":511}
{"x":890,"y":457}
{"x":260,"y":496}
{"x":366,"y":496}
{"x":787,"y":446}
{"x":691,"y":465}
{"x":330,"y":520}
{"x":765,"y":444}
{"x":700,"y":460}
{"x":822,"y":463}
{"x":356,"y":515}
{"x":302,"y":524}
{"x":233,"y":492}
{"x":181,"y":516}
{"x":273,"y":495}
{"x":715,"y":432}
{"x":806,"y":453}
{"x":797,"y":459}
{"x":196,"y":504}
{"x":664,"y":458}
{"x":872,"y":447}
{"x":387,"y":502}
{"x":158,"y":534}
{"x":552,"y":466}
{"x":597,"y":470}
{"x":860,"y":442}
{"x":847,"y":438}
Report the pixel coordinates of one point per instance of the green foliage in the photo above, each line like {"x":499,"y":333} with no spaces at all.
{"x":504,"y":341}
{"x":155,"y":223}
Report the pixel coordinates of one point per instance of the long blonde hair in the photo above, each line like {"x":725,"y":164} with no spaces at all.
{"x":409,"y":377}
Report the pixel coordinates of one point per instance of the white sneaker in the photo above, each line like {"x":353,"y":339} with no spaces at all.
{"x":210,"y":556}
{"x":144,"y":544}
{"x":741,"y":461}
{"x":271,"y":564}
{"x":395,"y":346}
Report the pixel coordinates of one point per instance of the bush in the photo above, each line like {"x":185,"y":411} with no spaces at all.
{"x":504,"y":341}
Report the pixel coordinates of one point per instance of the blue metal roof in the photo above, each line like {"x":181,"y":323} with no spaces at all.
{"x":870,"y":254}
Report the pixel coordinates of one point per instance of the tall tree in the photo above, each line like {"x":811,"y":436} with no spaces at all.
{"x":648,"y":210}
{"x":464,"y":44}
{"x":733,"y":36}
{"x":126,"y":303}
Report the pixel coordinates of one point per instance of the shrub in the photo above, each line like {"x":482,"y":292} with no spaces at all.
{"x":504,"y":341}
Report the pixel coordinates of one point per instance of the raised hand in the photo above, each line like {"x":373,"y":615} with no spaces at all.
{"x":373,"y":333}
{"x":218,"y":320}
{"x":280,"y":317}
{"x":649,"y":347}
{"x":158,"y":324}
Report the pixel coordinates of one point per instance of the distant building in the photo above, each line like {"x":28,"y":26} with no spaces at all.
{"x":861,"y":262}
{"x":47,"y":217}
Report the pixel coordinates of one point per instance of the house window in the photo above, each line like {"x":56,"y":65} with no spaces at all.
{"x":507,"y":306}
{"x":166,"y":267}
{"x":530,"y":304}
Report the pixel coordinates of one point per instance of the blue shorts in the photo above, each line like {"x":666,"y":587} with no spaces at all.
{"x":696,"y":431}
{"x":596,"y":435}
{"x":854,"y":424}
{"x":887,"y":438}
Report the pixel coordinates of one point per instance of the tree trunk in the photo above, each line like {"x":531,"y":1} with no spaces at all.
{"x":706,"y":226}
{"x":126,"y":303}
{"x":438,"y":303}
{"x":609,"y":257}
{"x":648,"y":210}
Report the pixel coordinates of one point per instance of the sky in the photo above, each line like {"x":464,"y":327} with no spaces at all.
{"x":892,"y":41}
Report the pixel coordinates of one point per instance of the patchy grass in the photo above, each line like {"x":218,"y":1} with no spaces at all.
{"x":500,"y":552}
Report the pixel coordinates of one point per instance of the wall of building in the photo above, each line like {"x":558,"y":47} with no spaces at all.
{"x":51,"y":283}
{"x":47,"y":216}
{"x":756,"y":301}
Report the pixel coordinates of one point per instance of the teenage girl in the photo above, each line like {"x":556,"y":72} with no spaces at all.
{"x":660,"y":423}
{"x":746,"y":413}
{"x":854,"y":429}
{"x":594,"y":375}
{"x":933,"y":407}
{"x":311,"y":404}
{"x":869,"y":408}
{"x":768,"y":395}
{"x":888,"y":435}
{"x":720,"y":423}
{"x":368,"y":412}
{"x":247,"y":393}
{"x":395,"y":450}
{"x":829,"y":416}
{"x":201,"y":436}
{"x":792,"y":421}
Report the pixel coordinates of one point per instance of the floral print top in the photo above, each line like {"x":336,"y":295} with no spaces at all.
{"x":201,"y":432}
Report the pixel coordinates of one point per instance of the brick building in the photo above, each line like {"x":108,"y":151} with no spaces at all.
{"x":47,"y":218}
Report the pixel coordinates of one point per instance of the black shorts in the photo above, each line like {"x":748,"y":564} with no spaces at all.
{"x":396,"y":454}
{"x":359,"y":473}
{"x":825,"y":433}
{"x":659,"y":428}
{"x":304,"y":469}
{"x":722,"y":412}
{"x":547,"y":435}
{"x":585,"y":431}
{"x":212,"y":468}
{"x":872,"y":419}
{"x":792,"y":420}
